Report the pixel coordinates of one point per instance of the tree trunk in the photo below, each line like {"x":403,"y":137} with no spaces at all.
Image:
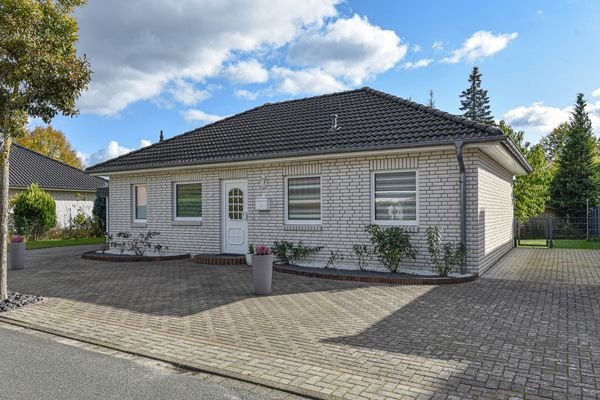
{"x":4,"y":208}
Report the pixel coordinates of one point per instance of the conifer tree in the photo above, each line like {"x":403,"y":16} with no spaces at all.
{"x":475,"y":102}
{"x":577,"y":176}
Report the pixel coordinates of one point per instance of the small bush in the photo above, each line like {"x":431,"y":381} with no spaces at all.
{"x":288,"y":253}
{"x":391,"y":245}
{"x":334,"y":256}
{"x":362,"y":253}
{"x":34,"y":212}
{"x":444,"y":256}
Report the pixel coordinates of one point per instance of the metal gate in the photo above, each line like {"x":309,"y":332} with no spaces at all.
{"x":535,"y":232}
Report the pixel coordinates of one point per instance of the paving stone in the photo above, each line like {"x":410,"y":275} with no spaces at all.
{"x":528,"y":328}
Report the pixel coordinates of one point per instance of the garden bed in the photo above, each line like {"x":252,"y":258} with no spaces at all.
{"x":374,"y":276}
{"x":117,"y":257}
{"x":17,"y":300}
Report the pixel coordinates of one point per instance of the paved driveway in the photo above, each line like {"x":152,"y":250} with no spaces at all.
{"x":529,"y":328}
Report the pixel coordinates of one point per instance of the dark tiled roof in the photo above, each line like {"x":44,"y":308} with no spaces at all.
{"x":367,"y":120}
{"x":28,"y":166}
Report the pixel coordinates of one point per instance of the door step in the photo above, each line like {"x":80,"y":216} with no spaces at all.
{"x":219,"y":259}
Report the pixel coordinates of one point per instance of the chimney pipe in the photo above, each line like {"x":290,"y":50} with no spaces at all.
{"x":162,"y":137}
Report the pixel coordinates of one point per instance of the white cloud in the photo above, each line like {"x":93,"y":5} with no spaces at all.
{"x":480,"y":45}
{"x":438,"y":45}
{"x":113,"y":149}
{"x":350,"y":49}
{"x":246,"y":94}
{"x":193,"y":115}
{"x":422,"y":63}
{"x":136,"y":53}
{"x":309,"y":81}
{"x":249,"y":71}
{"x":416,"y":48}
{"x":185,"y":93}
{"x":596,"y":93}
{"x":539,"y":118}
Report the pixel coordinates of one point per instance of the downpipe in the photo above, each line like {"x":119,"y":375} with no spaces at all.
{"x":463,"y":201}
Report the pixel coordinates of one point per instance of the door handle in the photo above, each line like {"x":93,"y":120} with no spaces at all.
{"x":244,"y":215}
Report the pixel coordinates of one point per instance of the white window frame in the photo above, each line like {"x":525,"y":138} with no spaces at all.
{"x":175,"y":217}
{"x":394,"y":222}
{"x":134,"y":204}
{"x":296,"y":221}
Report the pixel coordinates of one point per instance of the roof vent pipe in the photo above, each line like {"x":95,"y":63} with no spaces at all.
{"x":162,"y":137}
{"x":334,"y":122}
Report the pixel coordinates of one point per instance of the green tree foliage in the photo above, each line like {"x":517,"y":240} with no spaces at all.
{"x":40,"y":77}
{"x":577,"y":176}
{"x":531,"y":192}
{"x":52,"y":143}
{"x":553,"y":142}
{"x":34,"y":212}
{"x":475,"y":102}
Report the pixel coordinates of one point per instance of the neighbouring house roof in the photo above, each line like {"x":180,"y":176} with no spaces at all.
{"x":28,"y":166}
{"x":367,"y":119}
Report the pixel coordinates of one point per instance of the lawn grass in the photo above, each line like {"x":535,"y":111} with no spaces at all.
{"x":44,"y":244}
{"x":563,"y":243}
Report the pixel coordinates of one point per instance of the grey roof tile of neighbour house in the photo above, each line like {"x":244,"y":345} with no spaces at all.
{"x":367,"y":119}
{"x":28,"y":166}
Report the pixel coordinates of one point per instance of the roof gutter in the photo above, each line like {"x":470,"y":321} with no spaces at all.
{"x":307,"y":155}
{"x":463,"y":201}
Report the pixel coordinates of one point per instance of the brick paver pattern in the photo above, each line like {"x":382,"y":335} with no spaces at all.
{"x":528,"y":328}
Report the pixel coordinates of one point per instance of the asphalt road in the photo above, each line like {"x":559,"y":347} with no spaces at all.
{"x":33,"y":367}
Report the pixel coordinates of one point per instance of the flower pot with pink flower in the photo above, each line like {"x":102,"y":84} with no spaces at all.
{"x":17,"y":252}
{"x":262,"y":269}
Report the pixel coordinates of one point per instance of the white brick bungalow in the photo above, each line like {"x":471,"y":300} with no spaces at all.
{"x":73,"y":190}
{"x":319,"y":170}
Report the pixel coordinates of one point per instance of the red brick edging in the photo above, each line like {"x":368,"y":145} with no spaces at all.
{"x":397,"y":280}
{"x":93,"y":255}
{"x":218,"y":259}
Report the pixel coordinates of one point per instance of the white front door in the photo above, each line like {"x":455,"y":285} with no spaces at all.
{"x":235,"y":225}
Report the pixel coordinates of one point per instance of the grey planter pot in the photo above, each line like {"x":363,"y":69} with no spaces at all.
{"x":17,"y":256}
{"x":262,"y":271}
{"x":249,"y":259}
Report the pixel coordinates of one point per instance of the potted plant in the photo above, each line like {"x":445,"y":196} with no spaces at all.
{"x":17,"y":252}
{"x":262,"y":269}
{"x":249,"y":255}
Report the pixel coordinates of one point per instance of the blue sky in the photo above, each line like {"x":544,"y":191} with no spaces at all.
{"x":179,"y":66}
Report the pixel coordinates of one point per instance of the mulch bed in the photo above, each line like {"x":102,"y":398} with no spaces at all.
{"x":16,"y":300}
{"x":94,"y":255}
{"x":372,"y":276}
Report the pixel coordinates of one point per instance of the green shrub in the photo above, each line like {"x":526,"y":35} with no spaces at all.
{"x":34,"y":212}
{"x":445,"y":257}
{"x":391,"y":245}
{"x":288,"y":253}
{"x":99,"y":213}
{"x":362,"y":253}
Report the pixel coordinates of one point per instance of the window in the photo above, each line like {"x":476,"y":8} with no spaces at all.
{"x":140,"y":199}
{"x":395,"y":198}
{"x":236,"y":204}
{"x":188,"y":201}
{"x":303,"y":200}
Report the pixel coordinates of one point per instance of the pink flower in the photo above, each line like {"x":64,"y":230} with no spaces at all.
{"x":262,"y":250}
{"x":17,"y":239}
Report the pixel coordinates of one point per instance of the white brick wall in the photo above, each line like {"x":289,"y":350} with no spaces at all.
{"x":495,"y":211}
{"x":345,"y":204}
